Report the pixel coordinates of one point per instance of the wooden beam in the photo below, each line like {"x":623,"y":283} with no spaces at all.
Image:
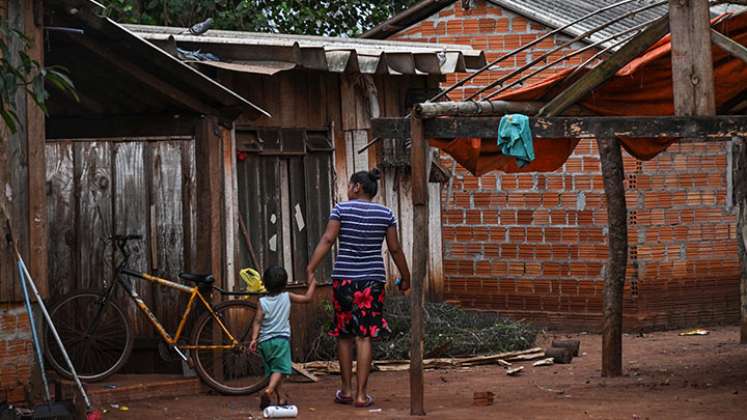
{"x":614,"y":189}
{"x":692,"y":65}
{"x":707,"y":128}
{"x":152,"y":81}
{"x":729,"y":45}
{"x":484,"y":108}
{"x":209,"y":180}
{"x":419,"y":165}
{"x":739,"y":174}
{"x":121,"y":126}
{"x":606,"y":69}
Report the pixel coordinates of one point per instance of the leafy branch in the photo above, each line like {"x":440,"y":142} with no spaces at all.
{"x":18,"y":71}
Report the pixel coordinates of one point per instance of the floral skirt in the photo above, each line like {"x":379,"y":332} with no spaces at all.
{"x":358,"y":309}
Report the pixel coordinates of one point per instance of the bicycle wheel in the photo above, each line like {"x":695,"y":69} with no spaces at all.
{"x":229,"y":371}
{"x":98,"y":346}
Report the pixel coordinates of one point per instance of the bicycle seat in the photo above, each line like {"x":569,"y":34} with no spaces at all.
{"x":206,"y":279}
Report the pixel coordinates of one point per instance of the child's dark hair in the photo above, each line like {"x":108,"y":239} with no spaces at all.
{"x":369,"y":181}
{"x":275,"y":279}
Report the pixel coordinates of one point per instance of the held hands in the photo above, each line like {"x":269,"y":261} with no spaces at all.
{"x":310,"y":278}
{"x":403,"y":284}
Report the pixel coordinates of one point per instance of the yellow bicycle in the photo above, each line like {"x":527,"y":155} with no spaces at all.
{"x":98,"y":335}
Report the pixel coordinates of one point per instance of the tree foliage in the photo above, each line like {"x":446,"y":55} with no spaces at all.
{"x":310,"y":17}
{"x":20,"y":72}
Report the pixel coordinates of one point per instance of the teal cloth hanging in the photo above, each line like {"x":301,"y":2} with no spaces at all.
{"x":515,"y":138}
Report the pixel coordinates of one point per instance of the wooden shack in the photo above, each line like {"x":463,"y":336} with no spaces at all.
{"x":142,"y":153}
{"x":292,"y":168}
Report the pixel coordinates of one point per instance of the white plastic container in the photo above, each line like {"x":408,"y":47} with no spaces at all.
{"x":280,"y":412}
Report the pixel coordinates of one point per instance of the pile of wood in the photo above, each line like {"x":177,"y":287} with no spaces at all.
{"x":333,"y":367}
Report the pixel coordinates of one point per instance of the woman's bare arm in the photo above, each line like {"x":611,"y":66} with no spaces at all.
{"x":395,"y":250}
{"x":325,"y":244}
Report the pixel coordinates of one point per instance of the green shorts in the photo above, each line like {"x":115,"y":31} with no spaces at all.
{"x":276,"y":356}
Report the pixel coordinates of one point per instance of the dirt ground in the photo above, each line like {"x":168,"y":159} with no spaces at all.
{"x":666,"y":377}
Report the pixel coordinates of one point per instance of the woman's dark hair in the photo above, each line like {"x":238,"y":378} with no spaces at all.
{"x":369,"y":181}
{"x":275,"y":279}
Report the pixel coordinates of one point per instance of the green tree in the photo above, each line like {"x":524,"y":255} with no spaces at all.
{"x":322,"y":17}
{"x":20,"y":72}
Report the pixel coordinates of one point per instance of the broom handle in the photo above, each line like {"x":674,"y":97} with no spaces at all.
{"x":34,"y":334}
{"x":54,"y":332}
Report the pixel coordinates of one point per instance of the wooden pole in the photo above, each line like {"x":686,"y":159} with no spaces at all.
{"x":692,"y":66}
{"x":419,"y":164}
{"x":740,"y":197}
{"x":614,"y":189}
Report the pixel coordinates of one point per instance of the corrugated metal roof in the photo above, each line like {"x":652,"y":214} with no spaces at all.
{"x":558,"y":13}
{"x":268,"y":53}
{"x":128,"y":46}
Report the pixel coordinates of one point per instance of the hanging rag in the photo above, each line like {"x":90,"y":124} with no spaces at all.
{"x":515,"y":138}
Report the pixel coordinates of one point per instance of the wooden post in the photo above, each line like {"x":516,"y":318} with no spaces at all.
{"x":419,"y":161}
{"x":614,"y":189}
{"x":739,"y":173}
{"x":692,"y":66}
{"x":208,"y":160}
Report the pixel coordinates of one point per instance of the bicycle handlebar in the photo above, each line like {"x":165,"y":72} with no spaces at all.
{"x":121,"y":241}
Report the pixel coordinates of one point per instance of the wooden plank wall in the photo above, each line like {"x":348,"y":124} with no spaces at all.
{"x":307,"y":99}
{"x":98,"y":188}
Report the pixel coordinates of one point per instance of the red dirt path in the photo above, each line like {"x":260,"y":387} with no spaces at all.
{"x":666,"y":377}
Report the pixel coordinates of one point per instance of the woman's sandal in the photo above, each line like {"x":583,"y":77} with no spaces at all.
{"x":369,"y":402}
{"x":342,"y":399}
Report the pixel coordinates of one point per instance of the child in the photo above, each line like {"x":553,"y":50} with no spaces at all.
{"x":271,"y":329}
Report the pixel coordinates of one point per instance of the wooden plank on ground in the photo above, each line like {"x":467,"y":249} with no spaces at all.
{"x":707,"y":128}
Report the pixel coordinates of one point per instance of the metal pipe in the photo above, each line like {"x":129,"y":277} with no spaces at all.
{"x":524,"y":47}
{"x":52,"y":328}
{"x":569,"y":55}
{"x":566,"y":44}
{"x":63,"y":29}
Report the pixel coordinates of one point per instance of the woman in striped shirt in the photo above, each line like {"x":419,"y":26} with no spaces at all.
{"x":358,"y":278}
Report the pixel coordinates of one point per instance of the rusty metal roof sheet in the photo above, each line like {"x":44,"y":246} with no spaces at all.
{"x":268,"y":53}
{"x":143,"y":54}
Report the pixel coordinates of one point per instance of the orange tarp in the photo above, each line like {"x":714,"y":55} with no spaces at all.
{"x":642,"y":88}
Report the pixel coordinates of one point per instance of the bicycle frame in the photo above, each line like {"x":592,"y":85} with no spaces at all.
{"x":194,"y":294}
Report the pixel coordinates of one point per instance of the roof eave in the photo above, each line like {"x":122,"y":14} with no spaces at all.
{"x":227,"y":104}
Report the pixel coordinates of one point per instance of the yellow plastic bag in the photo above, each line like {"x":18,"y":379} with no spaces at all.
{"x":252,"y":281}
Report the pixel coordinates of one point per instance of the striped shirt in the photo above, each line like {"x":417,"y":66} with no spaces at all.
{"x":363,"y":227}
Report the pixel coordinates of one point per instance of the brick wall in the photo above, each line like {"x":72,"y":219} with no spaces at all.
{"x":534,"y":246}
{"x":16,"y":352}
